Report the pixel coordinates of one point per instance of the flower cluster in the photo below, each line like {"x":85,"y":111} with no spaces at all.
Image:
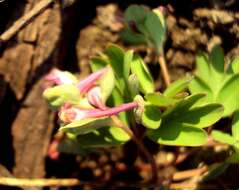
{"x":76,"y":100}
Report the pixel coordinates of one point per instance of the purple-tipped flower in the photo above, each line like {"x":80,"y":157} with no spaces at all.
{"x":70,"y":114}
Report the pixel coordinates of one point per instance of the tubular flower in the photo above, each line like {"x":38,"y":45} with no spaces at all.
{"x":70,"y":114}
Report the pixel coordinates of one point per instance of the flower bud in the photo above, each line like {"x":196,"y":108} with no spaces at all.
{"x":57,"y":77}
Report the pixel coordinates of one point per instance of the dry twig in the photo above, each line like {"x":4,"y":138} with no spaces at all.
{"x":24,"y":20}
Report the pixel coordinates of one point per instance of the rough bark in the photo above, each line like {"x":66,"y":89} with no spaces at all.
{"x":23,"y":63}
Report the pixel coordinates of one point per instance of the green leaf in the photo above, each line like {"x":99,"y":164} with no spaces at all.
{"x":107,"y":83}
{"x":133,"y":84}
{"x":135,"y":13}
{"x":59,"y":95}
{"x":217,"y":67}
{"x":128,"y":57}
{"x":178,"y":134}
{"x":235,"y":65}
{"x":160,"y":100}
{"x":223,"y":137}
{"x":133,"y":38}
{"x":98,"y":63}
{"x":139,"y":68}
{"x":103,"y":137}
{"x":229,"y":94}
{"x":203,"y":68}
{"x":85,"y":126}
{"x":235,"y":126}
{"x":197,"y":85}
{"x":119,"y":134}
{"x":185,"y":105}
{"x":155,"y":29}
{"x":233,"y":159}
{"x":217,"y":59}
{"x":116,"y":57}
{"x":151,"y":117}
{"x":191,"y":113}
{"x":201,"y":117}
{"x":177,"y":86}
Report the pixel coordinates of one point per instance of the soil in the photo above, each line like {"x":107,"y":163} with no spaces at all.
{"x":67,"y":35}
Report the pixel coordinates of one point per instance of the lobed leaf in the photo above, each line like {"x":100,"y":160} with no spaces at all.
{"x":229,"y":94}
{"x":178,"y":134}
{"x":197,"y":85}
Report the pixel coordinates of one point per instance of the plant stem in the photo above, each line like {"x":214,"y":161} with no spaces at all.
{"x":139,"y":143}
{"x":164,"y":69}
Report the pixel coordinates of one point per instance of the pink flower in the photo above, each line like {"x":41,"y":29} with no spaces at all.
{"x":70,"y":114}
{"x":58,"y":77}
{"x":89,"y":82}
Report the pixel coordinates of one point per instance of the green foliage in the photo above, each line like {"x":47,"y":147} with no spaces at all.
{"x":220,"y":85}
{"x":145,"y":79}
{"x":59,"y":95}
{"x":144,"y":26}
{"x":85,"y":126}
{"x":151,"y":117}
{"x":226,"y":138}
{"x":182,"y":123}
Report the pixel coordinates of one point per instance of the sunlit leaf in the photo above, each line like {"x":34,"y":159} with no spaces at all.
{"x":223,"y":137}
{"x":160,"y":100}
{"x":85,"y":126}
{"x":116,"y":56}
{"x":229,"y":94}
{"x":151,"y":117}
{"x":197,"y":85}
{"x":128,"y":57}
{"x":59,"y":95}
{"x":98,"y":63}
{"x":107,"y":83}
{"x":178,"y":134}
{"x":177,"y":86}
{"x":216,"y":67}
{"x":234,"y":66}
{"x":235,"y":126}
{"x":139,"y":68}
{"x":201,"y":117}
